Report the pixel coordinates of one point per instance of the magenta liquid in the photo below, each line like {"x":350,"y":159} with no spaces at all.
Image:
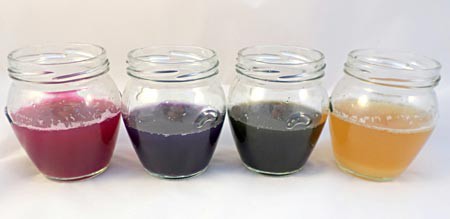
{"x":68,"y":137}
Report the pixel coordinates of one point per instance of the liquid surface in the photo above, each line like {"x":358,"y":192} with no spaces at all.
{"x":67,"y":136}
{"x":275,"y":137}
{"x":174,"y":139}
{"x":377,"y":140}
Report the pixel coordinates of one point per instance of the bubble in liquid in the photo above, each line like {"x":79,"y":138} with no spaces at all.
{"x":298,"y":119}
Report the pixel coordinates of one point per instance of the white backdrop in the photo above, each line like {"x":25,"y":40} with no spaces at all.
{"x":227,"y":189}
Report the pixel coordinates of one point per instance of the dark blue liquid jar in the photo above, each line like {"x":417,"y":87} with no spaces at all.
{"x":173,"y":108}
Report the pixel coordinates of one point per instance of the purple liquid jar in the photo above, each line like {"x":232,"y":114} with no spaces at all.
{"x":173,"y":109}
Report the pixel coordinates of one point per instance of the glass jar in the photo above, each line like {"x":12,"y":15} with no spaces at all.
{"x":383,"y":111}
{"x":173,"y":108}
{"x":64,"y":108}
{"x":277,"y":107}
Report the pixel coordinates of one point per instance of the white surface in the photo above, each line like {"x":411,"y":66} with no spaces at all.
{"x":227,"y":189}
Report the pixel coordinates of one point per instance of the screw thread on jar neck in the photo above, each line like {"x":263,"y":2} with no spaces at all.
{"x":280,"y":63}
{"x":172,"y":63}
{"x":393,"y":68}
{"x":57,"y":63}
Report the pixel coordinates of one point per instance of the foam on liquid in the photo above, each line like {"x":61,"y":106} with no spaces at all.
{"x":81,"y":113}
{"x":396,"y":118}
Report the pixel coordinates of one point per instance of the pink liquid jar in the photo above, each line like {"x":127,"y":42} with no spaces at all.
{"x":64,"y":108}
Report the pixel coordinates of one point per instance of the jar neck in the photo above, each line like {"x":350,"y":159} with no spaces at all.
{"x":168,"y":64}
{"x":393,"y":68}
{"x":57,"y":63}
{"x":275,"y":85}
{"x":282,"y":64}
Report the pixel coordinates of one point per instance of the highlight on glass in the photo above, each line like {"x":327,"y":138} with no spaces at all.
{"x":173,"y":108}
{"x":382,"y":112}
{"x":277,"y":107}
{"x":64,"y":108}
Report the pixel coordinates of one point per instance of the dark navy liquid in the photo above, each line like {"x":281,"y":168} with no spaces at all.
{"x":174,"y":139}
{"x":275,"y":137}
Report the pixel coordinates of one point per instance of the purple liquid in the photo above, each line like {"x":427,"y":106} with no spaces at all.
{"x":174,"y":139}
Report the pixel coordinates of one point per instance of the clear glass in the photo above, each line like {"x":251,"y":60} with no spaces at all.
{"x":277,"y":107}
{"x":382,"y":112}
{"x":173,"y":108}
{"x":64,"y":108}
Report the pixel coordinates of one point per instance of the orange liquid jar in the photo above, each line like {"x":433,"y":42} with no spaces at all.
{"x":383,"y":111}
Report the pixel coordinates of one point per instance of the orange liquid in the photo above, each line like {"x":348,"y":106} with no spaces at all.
{"x":377,"y":140}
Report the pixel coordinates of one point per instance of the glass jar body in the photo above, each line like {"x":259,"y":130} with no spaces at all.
{"x":174,"y":126}
{"x":68,"y":129}
{"x":276,"y":125}
{"x":377,"y":130}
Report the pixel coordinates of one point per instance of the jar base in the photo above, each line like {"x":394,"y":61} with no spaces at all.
{"x":362,"y":176}
{"x":78,"y":178}
{"x":176,"y":177}
{"x":271,"y":173}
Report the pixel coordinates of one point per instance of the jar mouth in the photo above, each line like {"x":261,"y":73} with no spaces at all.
{"x":172,"y":63}
{"x":56,"y":54}
{"x":281,"y":63}
{"x":57,"y":62}
{"x":393,"y":68}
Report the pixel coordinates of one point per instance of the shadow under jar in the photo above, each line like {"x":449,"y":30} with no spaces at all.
{"x":173,"y":108}
{"x":277,"y":107}
{"x":382,"y":112}
{"x":64,"y":108}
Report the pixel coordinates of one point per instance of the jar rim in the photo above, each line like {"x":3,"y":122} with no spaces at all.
{"x":241,"y":53}
{"x":131,"y":54}
{"x":393,"y":68}
{"x":281,"y":63}
{"x":12,"y":55}
{"x":357,"y":52}
{"x":54,"y":63}
{"x":172,"y":63}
